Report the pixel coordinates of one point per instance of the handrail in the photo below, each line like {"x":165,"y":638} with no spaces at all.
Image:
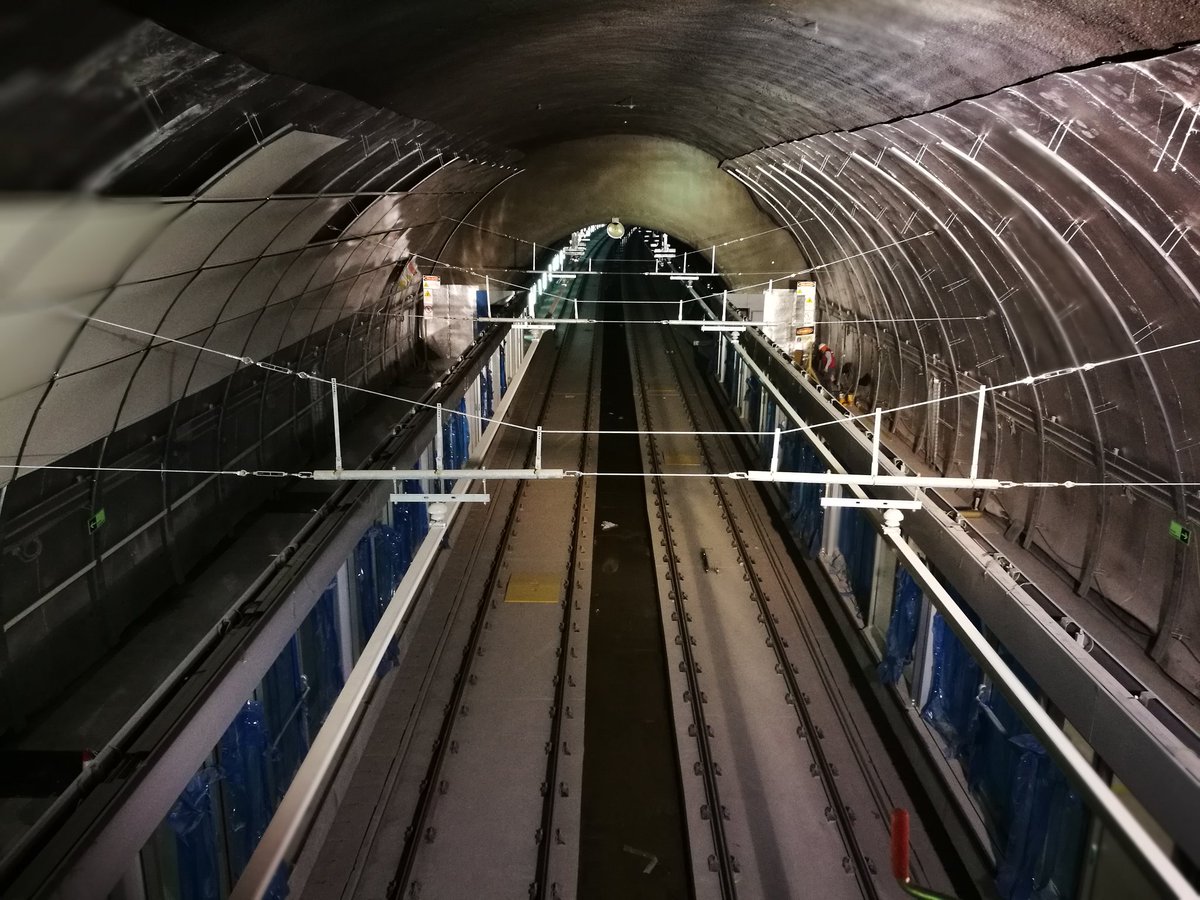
{"x":299,"y":807}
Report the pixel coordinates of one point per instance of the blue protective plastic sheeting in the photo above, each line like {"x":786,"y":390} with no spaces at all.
{"x":753,"y":398}
{"x":1066,"y":836}
{"x":991,"y":763}
{"x":486,"y":399}
{"x":767,"y":441}
{"x":286,"y":715}
{"x":503,"y":373}
{"x":380,"y":561}
{"x":951,"y":708}
{"x":456,"y":441}
{"x":193,"y":820}
{"x":364,"y":583}
{"x":1040,"y":854}
{"x":902,"y":627}
{"x":382,"y":557}
{"x":1038,"y":822}
{"x":805,"y":513}
{"x":732,"y":370}
{"x":856,"y":541}
{"x":243,"y":753}
{"x":411,"y":520}
{"x":278,"y":889}
{"x":993,"y":760}
{"x":324,"y":666}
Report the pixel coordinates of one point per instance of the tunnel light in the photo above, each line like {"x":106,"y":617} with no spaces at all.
{"x":616,"y":230}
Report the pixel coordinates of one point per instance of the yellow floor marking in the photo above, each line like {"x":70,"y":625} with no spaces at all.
{"x":683,"y":459}
{"x":533,"y":588}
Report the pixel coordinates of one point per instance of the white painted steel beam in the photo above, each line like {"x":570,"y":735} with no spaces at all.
{"x":870,"y":503}
{"x":902,"y":481}
{"x":402,"y":474}
{"x":440,"y":498}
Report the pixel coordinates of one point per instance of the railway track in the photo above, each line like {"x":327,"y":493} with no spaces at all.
{"x":747,"y":530}
{"x":733,"y":494}
{"x":420,"y":832}
{"x":721,"y":861}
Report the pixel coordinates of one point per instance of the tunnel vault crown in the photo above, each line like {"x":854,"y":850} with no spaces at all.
{"x":725,"y":77}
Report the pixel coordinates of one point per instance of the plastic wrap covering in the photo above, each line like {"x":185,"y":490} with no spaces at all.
{"x":193,"y":820}
{"x":380,"y":559}
{"x":902,"y":627}
{"x":856,"y":541}
{"x":486,"y":398}
{"x":283,"y":693}
{"x":753,"y":398}
{"x":1021,"y":790}
{"x":411,"y":520}
{"x":732,"y":365}
{"x":952,"y":708}
{"x":243,"y":752}
{"x":805,"y":513}
{"x":991,"y":761}
{"x":1040,"y":855}
{"x":322,"y":656}
{"x":456,"y":441}
{"x":503,"y":373}
{"x":383,"y":556}
{"x":766,"y":441}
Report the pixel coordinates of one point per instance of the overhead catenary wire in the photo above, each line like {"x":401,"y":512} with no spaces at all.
{"x":246,"y":360}
{"x":566,"y":473}
{"x":1019,"y":382}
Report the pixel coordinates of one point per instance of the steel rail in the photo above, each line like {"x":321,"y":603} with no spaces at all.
{"x":838,"y":810}
{"x":430,"y":784}
{"x":542,"y":889}
{"x":708,"y":768}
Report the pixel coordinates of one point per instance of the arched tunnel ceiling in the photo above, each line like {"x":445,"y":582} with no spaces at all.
{"x":725,"y":77}
{"x":662,"y":184}
{"x":1042,"y":226}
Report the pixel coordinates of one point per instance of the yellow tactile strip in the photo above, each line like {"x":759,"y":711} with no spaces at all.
{"x":533,"y":587}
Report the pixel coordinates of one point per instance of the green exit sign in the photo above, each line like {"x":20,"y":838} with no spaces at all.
{"x":97,"y":520}
{"x":1181,"y":534}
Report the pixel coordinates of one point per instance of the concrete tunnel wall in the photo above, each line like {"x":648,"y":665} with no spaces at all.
{"x":1043,"y":228}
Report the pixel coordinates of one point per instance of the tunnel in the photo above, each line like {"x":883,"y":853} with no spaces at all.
{"x":246,"y":249}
